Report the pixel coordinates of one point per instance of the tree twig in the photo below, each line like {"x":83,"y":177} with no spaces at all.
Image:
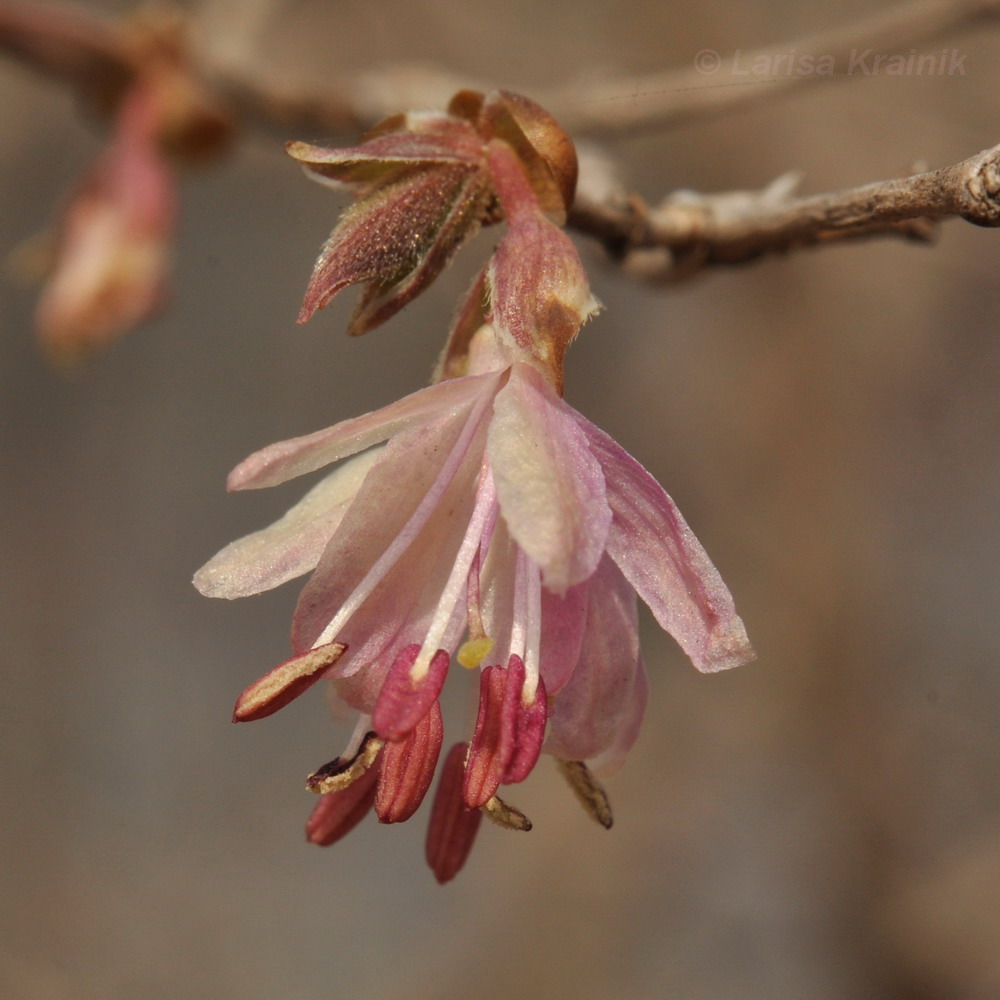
{"x":689,"y":232}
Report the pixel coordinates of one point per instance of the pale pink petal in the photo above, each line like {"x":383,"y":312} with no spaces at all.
{"x":292,"y":545}
{"x":416,"y":501}
{"x":563,"y":622}
{"x":550,"y":487}
{"x":591,"y":712}
{"x":297,"y":456}
{"x":611,"y":760}
{"x":662,"y":559}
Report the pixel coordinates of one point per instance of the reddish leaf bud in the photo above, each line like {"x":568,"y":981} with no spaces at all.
{"x":545,"y":150}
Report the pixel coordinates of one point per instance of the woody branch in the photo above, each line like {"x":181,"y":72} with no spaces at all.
{"x":687,"y":232}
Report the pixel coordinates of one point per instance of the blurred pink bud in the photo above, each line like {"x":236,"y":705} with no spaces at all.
{"x":113,"y":241}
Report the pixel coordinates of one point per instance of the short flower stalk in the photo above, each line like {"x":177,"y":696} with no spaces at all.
{"x":481,"y":520}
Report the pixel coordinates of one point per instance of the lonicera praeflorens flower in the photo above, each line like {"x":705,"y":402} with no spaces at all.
{"x":496,"y":514}
{"x":483,"y":520}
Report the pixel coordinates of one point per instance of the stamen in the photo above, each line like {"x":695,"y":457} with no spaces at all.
{"x":532,"y":629}
{"x":407,"y":768}
{"x":588,"y":790}
{"x":404,"y":701}
{"x":286,"y":682}
{"x":529,"y":732}
{"x":473,"y":599}
{"x":345,"y":771}
{"x":506,"y":815}
{"x":452,"y":829}
{"x":493,"y":742}
{"x":337,"y":813}
{"x":517,"y":636}
{"x":480,"y":524}
{"x":508,"y":736}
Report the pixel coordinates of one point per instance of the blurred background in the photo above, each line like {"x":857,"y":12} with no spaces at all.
{"x":824,"y":823}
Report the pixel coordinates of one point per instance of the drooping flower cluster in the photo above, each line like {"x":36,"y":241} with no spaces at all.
{"x":480,"y":520}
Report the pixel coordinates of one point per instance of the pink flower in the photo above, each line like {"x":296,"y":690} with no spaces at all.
{"x":481,"y":519}
{"x":483,"y":508}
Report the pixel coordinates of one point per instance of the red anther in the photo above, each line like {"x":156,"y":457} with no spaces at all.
{"x":529,"y":735}
{"x":407,"y":767}
{"x":403,"y":702}
{"x":337,"y":813}
{"x":496,"y":728}
{"x":452,"y":828}
{"x":286,"y":682}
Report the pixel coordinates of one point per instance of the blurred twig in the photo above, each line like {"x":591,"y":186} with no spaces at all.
{"x":666,"y":98}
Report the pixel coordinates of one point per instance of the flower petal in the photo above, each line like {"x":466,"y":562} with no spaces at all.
{"x":590,"y":713}
{"x":550,"y":487}
{"x":613,"y":757}
{"x":287,"y":459}
{"x":413,"y":508}
{"x":292,"y":545}
{"x":662,"y":559}
{"x":563,"y":621}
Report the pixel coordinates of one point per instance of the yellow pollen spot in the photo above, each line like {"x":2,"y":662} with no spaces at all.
{"x":473,"y":652}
